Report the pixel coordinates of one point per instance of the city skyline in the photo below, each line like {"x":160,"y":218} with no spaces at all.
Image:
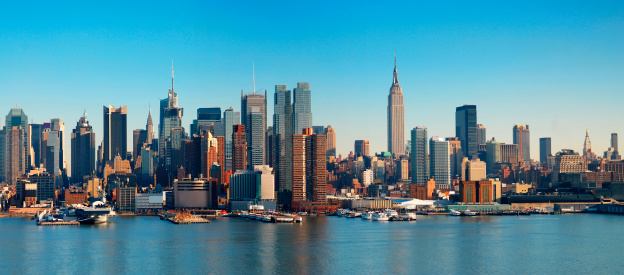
{"x":549,"y":85}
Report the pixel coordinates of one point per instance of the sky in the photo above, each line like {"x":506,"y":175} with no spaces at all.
{"x":557,"y":66}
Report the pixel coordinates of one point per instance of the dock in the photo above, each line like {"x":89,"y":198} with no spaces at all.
{"x":181,"y":217}
{"x":72,"y":222}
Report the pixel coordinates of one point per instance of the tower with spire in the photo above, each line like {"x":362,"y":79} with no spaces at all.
{"x":150,"y":127}
{"x":587,"y":150}
{"x":170,"y":118}
{"x":396,"y":117}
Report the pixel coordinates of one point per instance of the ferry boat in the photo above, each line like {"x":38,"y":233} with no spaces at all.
{"x":391,"y":213}
{"x":408,"y":216}
{"x":98,"y":213}
{"x":469,"y":213}
{"x":354,"y":214}
{"x":380,"y":217}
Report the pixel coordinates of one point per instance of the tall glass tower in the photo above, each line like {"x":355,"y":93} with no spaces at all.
{"x":302,"y":107}
{"x":419,"y":156}
{"x":466,"y":129}
{"x":440,"y":160}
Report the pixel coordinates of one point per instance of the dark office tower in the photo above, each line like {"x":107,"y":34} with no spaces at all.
{"x":57,"y":124}
{"x":115,"y":132}
{"x":481,"y":134}
{"x":258,"y":102}
{"x":396,"y":117}
{"x":239,"y":148}
{"x":255,"y":137}
{"x":36,"y":136}
{"x":522,"y":138}
{"x":82,"y":151}
{"x":208,"y":119}
{"x":362,"y":148}
{"x":139,"y":137}
{"x":466,"y":129}
{"x":302,"y":107}
{"x":614,"y":142}
{"x":545,"y":150}
{"x":175,"y":151}
{"x":149,"y":127}
{"x":52,"y":141}
{"x":270,"y":143}
{"x":419,"y":157}
{"x":229,"y":119}
{"x":282,"y":133}
{"x":170,"y":117}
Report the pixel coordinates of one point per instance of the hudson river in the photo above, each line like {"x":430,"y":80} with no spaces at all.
{"x":555,"y":244}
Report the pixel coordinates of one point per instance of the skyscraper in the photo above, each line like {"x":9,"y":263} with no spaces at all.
{"x":481,"y":135}
{"x":258,"y":101}
{"x":362,"y":148}
{"x":36,"y":136}
{"x":239,"y":148}
{"x":614,"y":142}
{"x":456,"y":155}
{"x":440,"y":169}
{"x":255,"y":137}
{"x":229,"y":119}
{"x":208,"y":119}
{"x":493,"y":155}
{"x":466,"y":128}
{"x":82,"y":150}
{"x":149,"y":126}
{"x":545,"y":150}
{"x":522,"y":138}
{"x":170,"y":117}
{"x":302,"y":107}
{"x":396,"y":117}
{"x":331,"y":141}
{"x":282,"y":133}
{"x":115,"y":132}
{"x":419,"y":156}
{"x":309,"y":167}
{"x":587,"y":149}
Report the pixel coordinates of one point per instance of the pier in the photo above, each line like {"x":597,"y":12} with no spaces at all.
{"x":72,"y":222}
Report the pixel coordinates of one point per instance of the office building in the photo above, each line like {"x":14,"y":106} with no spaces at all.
{"x":492,"y":156}
{"x":396,"y":117}
{"x":208,"y":119}
{"x":522,"y":138}
{"x":456,"y":155}
{"x":139,"y":138}
{"x":302,"y":107}
{"x":36,"y":137}
{"x":282,"y":134}
{"x":466,"y":128}
{"x":15,"y":155}
{"x":481,"y":135}
{"x":568,"y":162}
{"x":318,"y":130}
{"x":256,"y":184}
{"x":473,"y":170}
{"x":115,"y":132}
{"x":170,"y":117}
{"x":331,"y":141}
{"x":362,"y":148}
{"x":509,"y":153}
{"x":440,"y":166}
{"x":82,"y":151}
{"x":419,"y":156}
{"x":587,"y":149}
{"x":545,"y":150}
{"x":149,"y":127}
{"x":200,"y":193}
{"x":229,"y":119}
{"x":476,"y":192}
{"x":254,"y":111}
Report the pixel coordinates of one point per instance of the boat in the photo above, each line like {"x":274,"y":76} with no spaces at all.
{"x":98,"y":213}
{"x":342,"y":212}
{"x":380,"y":217}
{"x":244,"y":214}
{"x":367,"y":215}
{"x":298,"y":219}
{"x":391,"y":213}
{"x":408,"y":216}
{"x":455,"y":213}
{"x":354,"y":214}
{"x":469,"y":213}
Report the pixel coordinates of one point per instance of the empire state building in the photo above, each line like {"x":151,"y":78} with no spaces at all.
{"x":396,"y":117}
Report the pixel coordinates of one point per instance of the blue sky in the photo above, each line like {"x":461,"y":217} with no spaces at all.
{"x":555,"y":65}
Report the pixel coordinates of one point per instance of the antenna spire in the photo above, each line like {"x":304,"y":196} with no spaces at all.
{"x":253,"y":72}
{"x":172,"y":75}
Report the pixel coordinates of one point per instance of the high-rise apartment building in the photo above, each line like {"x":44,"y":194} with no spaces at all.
{"x":239,"y":148}
{"x":440,"y":165}
{"x":396,"y":117}
{"x":545,"y":150}
{"x":115,"y":132}
{"x":256,"y":103}
{"x":309,"y":167}
{"x":466,"y":128}
{"x":522,"y":137}
{"x":419,"y":156}
{"x":302,"y":107}
{"x":82,"y":150}
{"x":362,"y":148}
